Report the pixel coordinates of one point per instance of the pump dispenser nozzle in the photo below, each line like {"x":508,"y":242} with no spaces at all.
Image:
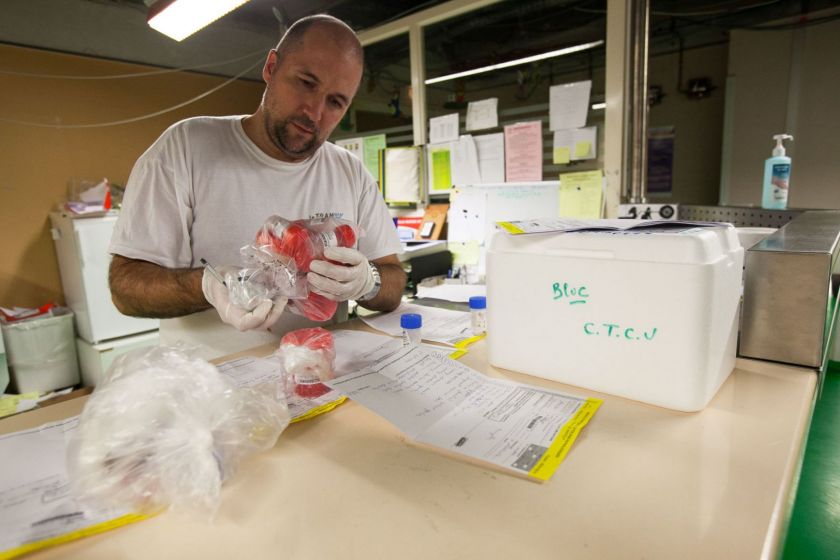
{"x":779,"y":150}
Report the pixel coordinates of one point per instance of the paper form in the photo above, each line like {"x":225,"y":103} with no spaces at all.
{"x":569,"y":105}
{"x":370,"y":149}
{"x":467,"y":215}
{"x":483,"y":114}
{"x":440,"y":165}
{"x":439,"y":325}
{"x":353,"y":351}
{"x":608,"y":226}
{"x":249,"y":371}
{"x":491,"y":157}
{"x":402,"y":176}
{"x":356,"y":350}
{"x":443,"y":129}
{"x":355,"y":146}
{"x":441,"y":402}
{"x":37,"y":506}
{"x":523,"y":152}
{"x":581,"y":194}
{"x":465,"y":169}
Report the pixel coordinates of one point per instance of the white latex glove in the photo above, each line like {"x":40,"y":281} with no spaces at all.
{"x":262,"y":316}
{"x":339,"y":282}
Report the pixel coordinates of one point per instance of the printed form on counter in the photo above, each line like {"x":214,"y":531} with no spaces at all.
{"x":439,"y":325}
{"x":249,"y":371}
{"x":353,"y":350}
{"x":37,"y":507}
{"x":437,"y":401}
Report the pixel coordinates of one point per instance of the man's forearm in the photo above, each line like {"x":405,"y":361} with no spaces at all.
{"x":393,"y":285}
{"x":144,"y":289}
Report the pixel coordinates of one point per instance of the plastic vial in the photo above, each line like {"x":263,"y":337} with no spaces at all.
{"x":411,"y":324}
{"x":478,"y":314}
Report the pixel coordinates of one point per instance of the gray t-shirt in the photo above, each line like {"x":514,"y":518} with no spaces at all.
{"x":203,"y":189}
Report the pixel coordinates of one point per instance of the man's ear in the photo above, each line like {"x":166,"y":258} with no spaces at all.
{"x":270,"y":65}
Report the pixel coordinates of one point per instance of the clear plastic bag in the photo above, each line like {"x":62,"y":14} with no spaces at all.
{"x":166,"y":429}
{"x":308,"y":357}
{"x":266,"y":275}
{"x":280,"y":258}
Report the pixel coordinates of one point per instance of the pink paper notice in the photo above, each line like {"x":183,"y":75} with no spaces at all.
{"x":523,"y":152}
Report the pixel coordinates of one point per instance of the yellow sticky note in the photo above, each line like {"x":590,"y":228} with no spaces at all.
{"x":581,"y":194}
{"x":9,"y":404}
{"x":582,"y":149}
{"x":464,"y":253}
{"x":562,"y":155}
{"x":441,"y":170}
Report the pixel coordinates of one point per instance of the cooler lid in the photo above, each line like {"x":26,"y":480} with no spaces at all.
{"x":686,"y":244}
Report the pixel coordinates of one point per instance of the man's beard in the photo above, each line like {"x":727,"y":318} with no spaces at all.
{"x":282,"y":137}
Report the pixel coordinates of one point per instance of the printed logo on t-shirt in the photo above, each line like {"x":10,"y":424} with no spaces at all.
{"x":325,"y":215}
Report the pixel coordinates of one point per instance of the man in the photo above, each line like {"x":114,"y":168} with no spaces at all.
{"x":204,"y":188}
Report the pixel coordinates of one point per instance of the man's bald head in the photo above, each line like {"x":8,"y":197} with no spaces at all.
{"x":341,"y":33}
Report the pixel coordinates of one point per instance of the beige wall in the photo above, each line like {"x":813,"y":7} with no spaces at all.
{"x":698,"y":123}
{"x":785,"y":81}
{"x":36,"y":163}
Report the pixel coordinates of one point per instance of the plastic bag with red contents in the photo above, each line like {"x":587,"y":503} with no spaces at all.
{"x":308,"y":357}
{"x":302,"y":241}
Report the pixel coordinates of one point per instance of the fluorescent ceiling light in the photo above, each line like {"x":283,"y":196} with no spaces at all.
{"x":517,"y":62}
{"x":596,"y":106}
{"x":181,"y":18}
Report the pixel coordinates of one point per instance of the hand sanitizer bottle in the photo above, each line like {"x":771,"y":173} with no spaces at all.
{"x":777,"y":176}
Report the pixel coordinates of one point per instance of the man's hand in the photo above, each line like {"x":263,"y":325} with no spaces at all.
{"x":340,"y":282}
{"x":262,"y":316}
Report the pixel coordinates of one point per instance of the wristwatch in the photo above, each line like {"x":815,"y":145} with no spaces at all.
{"x":377,"y":283}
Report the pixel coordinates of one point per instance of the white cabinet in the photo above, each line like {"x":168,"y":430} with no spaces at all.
{"x":95,"y":359}
{"x":81,"y":245}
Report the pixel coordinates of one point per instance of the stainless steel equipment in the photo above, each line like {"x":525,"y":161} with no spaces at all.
{"x":789,"y":300}
{"x":738,"y":216}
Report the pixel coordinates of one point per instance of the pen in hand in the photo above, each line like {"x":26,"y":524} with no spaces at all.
{"x":212,"y":271}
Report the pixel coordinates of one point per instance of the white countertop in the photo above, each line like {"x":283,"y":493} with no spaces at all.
{"x":640,"y":482}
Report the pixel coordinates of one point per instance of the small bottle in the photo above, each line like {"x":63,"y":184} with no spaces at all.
{"x":776,"y":176}
{"x":478,"y":314}
{"x":411,"y":324}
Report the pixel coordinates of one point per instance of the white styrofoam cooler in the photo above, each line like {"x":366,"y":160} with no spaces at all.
{"x":650,"y":315}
